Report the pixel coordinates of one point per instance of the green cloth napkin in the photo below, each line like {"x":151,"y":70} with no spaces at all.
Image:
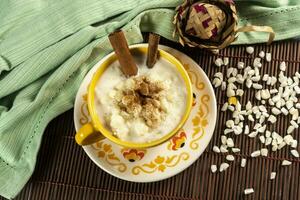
{"x":48,"y":46}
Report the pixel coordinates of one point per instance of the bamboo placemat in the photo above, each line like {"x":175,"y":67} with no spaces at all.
{"x":63,"y":171}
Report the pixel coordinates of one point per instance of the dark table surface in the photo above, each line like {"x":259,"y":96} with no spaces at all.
{"x":64,"y":171}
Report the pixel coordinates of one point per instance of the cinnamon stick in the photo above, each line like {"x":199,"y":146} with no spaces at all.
{"x":120,"y":46}
{"x":152,"y":49}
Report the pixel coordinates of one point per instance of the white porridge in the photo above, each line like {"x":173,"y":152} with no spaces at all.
{"x":143,"y":108}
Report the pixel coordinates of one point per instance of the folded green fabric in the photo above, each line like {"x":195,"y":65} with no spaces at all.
{"x":47,"y":47}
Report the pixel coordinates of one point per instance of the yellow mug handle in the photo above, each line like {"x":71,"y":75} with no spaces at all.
{"x":88,"y":135}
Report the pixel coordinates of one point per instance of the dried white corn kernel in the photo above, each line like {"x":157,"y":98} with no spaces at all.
{"x":235,"y":150}
{"x":264,"y":152}
{"x":223,"y":167}
{"x":257,"y":62}
{"x":294,"y":124}
{"x":265,"y":94}
{"x":257,"y":86}
{"x":253,"y":134}
{"x":286,"y":162}
{"x":295,"y":153}
{"x":229,"y":123}
{"x":262,"y":139}
{"x":226,"y":60}
{"x":282,"y":66}
{"x":219,"y":75}
{"x":248,"y":191}
{"x":281,"y":145}
{"x":276,"y":111}
{"x":223,"y":85}
{"x":216,"y":149}
{"x":255,"y":153}
{"x":246,"y":131}
{"x":230,"y":157}
{"x":239,"y":92}
{"x":240,"y":65}
{"x":225,"y":106}
{"x":250,"y":50}
{"x":272,"y":119}
{"x":227,"y":130}
{"x":274,"y":147}
{"x":219,"y":62}
{"x":290,"y":129}
{"x":268,"y":57}
{"x":224,"y":139}
{"x":273,"y":175}
{"x":284,"y":111}
{"x":243,"y":162}
{"x":288,"y":139}
{"x":294,"y":143}
{"x":261,"y":54}
{"x":217,"y":82}
{"x":230,"y":142}
{"x":213,"y":168}
{"x":223,"y":149}
{"x":268,"y":141}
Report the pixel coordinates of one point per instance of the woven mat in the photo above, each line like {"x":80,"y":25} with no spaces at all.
{"x":63,"y":171}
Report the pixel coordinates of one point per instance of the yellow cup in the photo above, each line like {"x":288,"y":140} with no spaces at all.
{"x":95,"y":130}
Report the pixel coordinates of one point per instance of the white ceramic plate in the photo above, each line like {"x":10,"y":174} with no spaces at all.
{"x":169,"y":158}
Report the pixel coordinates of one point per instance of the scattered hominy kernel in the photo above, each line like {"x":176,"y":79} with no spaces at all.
{"x":239,"y":92}
{"x":264,"y":152}
{"x":230,"y":142}
{"x":268,"y":141}
{"x":240,"y":65}
{"x":225,"y":106}
{"x":272,"y":119}
{"x":290,"y":129}
{"x":248,"y":191}
{"x":223,"y":85}
{"x":216,"y":149}
{"x":294,"y":143}
{"x":243,"y":162}
{"x":223,"y":149}
{"x":268,"y":57}
{"x":253,"y":134}
{"x":230,"y":157}
{"x":261,"y":54}
{"x":286,"y":162}
{"x":288,"y":139}
{"x":284,"y":111}
{"x":235,"y":150}
{"x":295,"y":153}
{"x":255,"y":153}
{"x":229,"y":123}
{"x":219,"y":62}
{"x":274,"y":147}
{"x":282,"y":66}
{"x":257,"y":86}
{"x":294,"y":124}
{"x":257,"y":63}
{"x":281,"y":145}
{"x":224,"y":139}
{"x":276,"y":111}
{"x":223,"y":167}
{"x":262,"y":139}
{"x":273,"y":175}
{"x":227,"y":130}
{"x":213,"y":168}
{"x":250,"y":50}
{"x":216,"y":82}
{"x":226,"y":60}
